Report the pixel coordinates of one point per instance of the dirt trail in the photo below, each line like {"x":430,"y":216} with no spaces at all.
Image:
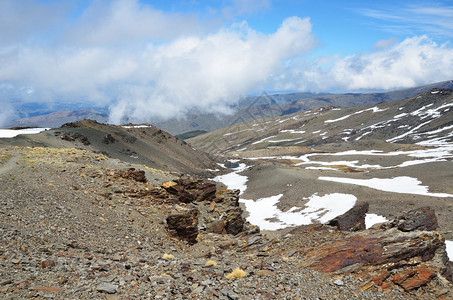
{"x":8,"y":165}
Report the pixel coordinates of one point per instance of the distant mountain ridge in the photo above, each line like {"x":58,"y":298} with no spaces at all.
{"x":425,"y":119}
{"x":248,"y":108}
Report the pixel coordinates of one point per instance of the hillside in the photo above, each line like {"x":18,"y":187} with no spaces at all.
{"x":423,"y":118}
{"x":142,"y":144}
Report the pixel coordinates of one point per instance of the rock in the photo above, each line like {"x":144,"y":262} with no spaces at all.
{"x":231,"y":197}
{"x":189,"y":190}
{"x":108,"y":139}
{"x":423,"y":218}
{"x":184,"y":224}
{"x":234,"y":221}
{"x":131,"y":174}
{"x":374,"y":248}
{"x":218,"y":227}
{"x":353,"y":219}
{"x":413,"y":257}
{"x":263,"y":273}
{"x":414,"y":278}
{"x":338,"y":282}
{"x":106,"y":287}
{"x":47,"y":289}
{"x":48,"y":263}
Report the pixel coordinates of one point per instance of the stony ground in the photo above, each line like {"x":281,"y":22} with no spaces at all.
{"x":73,"y":227}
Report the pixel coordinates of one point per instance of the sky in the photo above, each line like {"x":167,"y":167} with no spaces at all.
{"x":148,"y":59}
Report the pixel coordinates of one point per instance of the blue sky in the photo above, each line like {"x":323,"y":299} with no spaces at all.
{"x":157,"y":59}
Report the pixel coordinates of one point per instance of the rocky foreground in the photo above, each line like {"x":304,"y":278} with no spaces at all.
{"x":77,"y":225}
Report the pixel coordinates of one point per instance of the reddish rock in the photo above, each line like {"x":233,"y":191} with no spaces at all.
{"x":218,"y":227}
{"x":48,"y":263}
{"x":414,"y":257}
{"x":132,"y":174}
{"x":184,"y":225}
{"x":381,"y":277}
{"x":47,"y":289}
{"x":414,"y":278}
{"x":353,"y":219}
{"x":374,"y":248}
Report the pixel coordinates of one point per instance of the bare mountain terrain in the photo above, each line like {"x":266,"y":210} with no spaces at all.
{"x":76,"y":224}
{"x":424,"y":117}
{"x":142,"y":144}
{"x":394,"y":155}
{"x":330,"y":203}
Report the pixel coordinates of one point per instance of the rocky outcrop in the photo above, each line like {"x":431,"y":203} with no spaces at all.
{"x":423,"y":218}
{"x":353,"y":219}
{"x":131,"y":173}
{"x":219,"y":212}
{"x":183,"y":224}
{"x":404,"y":252}
{"x":190,"y":190}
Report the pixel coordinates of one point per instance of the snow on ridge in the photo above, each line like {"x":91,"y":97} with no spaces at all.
{"x":135,"y":126}
{"x":374,"y":109}
{"x":10,"y":133}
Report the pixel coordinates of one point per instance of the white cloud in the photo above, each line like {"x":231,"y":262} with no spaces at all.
{"x":146,"y":63}
{"x":414,"y":61}
{"x":7,"y":114}
{"x":209,"y":73}
{"x":126,"y":21}
{"x":435,"y":19}
{"x":140,"y":78}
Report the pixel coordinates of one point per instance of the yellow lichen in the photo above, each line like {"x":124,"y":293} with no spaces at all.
{"x":236,"y":274}
{"x":167,"y":256}
{"x":211,"y":263}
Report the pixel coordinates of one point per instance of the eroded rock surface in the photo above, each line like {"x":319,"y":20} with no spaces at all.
{"x":353,"y":219}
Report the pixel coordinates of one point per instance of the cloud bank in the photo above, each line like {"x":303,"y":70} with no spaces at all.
{"x":414,"y":61}
{"x":144,"y":63}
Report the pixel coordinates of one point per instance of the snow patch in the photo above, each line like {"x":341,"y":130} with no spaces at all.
{"x":10,"y":133}
{"x":371,"y":219}
{"x":233,"y":180}
{"x":265,"y":213}
{"x":449,"y":245}
{"x":400,"y":184}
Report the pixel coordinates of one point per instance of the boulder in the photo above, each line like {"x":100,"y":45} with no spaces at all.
{"x":353,"y":219}
{"x":132,"y":174}
{"x":183,"y":224}
{"x":234,"y":221}
{"x":188,"y":190}
{"x":423,"y":218}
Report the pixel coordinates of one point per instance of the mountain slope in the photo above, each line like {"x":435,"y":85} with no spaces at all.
{"x":270,"y":106}
{"x":423,"y":118}
{"x":144,"y":144}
